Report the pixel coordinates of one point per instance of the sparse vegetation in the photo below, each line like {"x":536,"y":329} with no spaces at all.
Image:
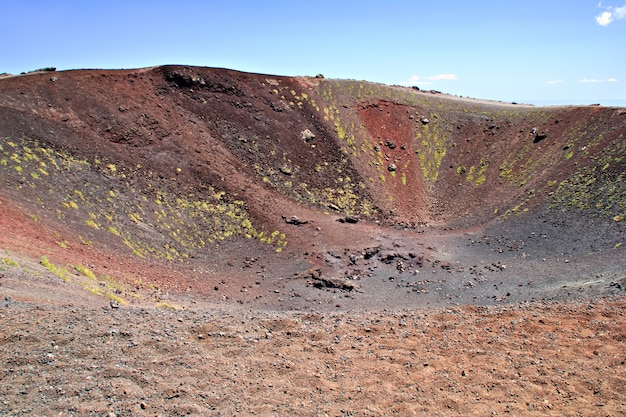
{"x":168,"y":305}
{"x":8,"y":262}
{"x":86,"y":272}
{"x":187,"y":224}
{"x":58,"y":271}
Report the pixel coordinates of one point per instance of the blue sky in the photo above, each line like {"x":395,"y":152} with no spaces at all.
{"x":532,"y":51}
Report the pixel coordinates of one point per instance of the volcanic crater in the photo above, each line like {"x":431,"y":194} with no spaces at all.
{"x":183,"y":175}
{"x":185,"y":187}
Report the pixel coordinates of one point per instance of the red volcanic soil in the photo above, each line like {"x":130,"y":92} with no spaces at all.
{"x":183,"y":240}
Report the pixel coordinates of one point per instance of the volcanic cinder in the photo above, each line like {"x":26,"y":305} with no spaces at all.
{"x":299,"y":230}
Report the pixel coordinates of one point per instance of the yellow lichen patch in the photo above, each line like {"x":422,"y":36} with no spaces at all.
{"x":431,"y":149}
{"x":58,"y":271}
{"x":476,"y":173}
{"x":168,"y":305}
{"x":86,"y":272}
{"x":91,"y":223}
{"x":6,"y":261}
{"x":113,"y":231}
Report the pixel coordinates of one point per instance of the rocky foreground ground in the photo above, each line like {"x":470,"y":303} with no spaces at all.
{"x":562,"y":358}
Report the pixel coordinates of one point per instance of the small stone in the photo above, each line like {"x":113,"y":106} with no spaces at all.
{"x":540,"y":136}
{"x":285,"y":170}
{"x":349,"y":219}
{"x":295,"y":220}
{"x":307,"y":135}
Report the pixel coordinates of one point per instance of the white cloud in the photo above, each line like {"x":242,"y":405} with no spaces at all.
{"x":604,"y":18}
{"x":610,"y":14}
{"x":595,"y":80}
{"x":551,"y":82}
{"x":439,"y":77}
{"x":428,"y":80}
